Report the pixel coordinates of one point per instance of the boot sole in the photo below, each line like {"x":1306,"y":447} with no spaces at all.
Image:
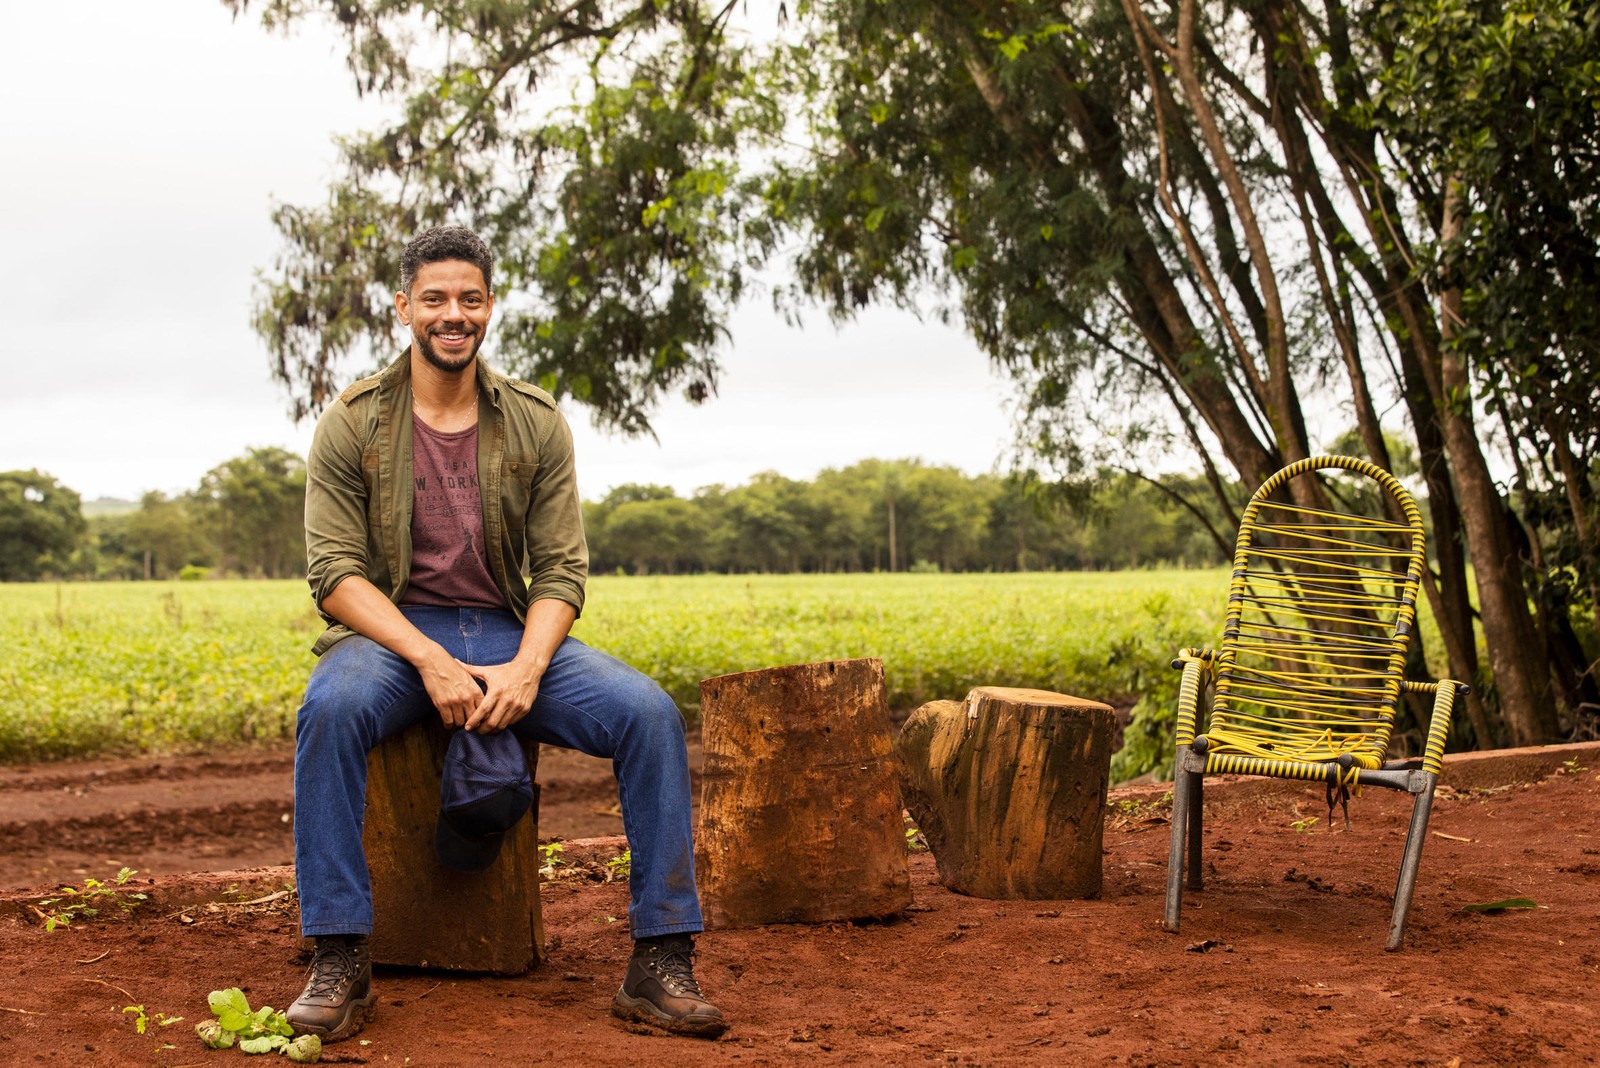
{"x":642,"y":1010}
{"x":360,"y":1012}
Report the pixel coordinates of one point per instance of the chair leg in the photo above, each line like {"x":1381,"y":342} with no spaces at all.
{"x":1180,"y":826}
{"x":1196,"y":818}
{"x":1407,"y":882}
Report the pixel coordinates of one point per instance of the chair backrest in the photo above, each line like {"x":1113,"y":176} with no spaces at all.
{"x":1320,"y":613}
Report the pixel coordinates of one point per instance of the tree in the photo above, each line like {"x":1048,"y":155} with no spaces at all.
{"x":1497,"y":105}
{"x":41,"y":526}
{"x":1175,"y":224}
{"x":165,"y":536}
{"x":658,"y":536}
{"x":254,"y":509}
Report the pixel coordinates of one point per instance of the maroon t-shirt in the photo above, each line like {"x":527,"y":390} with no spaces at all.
{"x":449,"y":563}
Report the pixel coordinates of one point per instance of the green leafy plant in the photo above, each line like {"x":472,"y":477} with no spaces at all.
{"x":916,"y":842}
{"x":620,"y":866}
{"x":142,"y":1020}
{"x":82,"y":903}
{"x":263,"y":1030}
{"x":1304,"y":826}
{"x":551,"y":852}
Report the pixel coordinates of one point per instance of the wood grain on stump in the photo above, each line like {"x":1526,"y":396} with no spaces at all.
{"x":1009,"y":788}
{"x":800,"y":813}
{"x":424,"y":914}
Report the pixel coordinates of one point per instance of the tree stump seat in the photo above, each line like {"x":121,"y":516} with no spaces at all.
{"x":424,"y":914}
{"x":800,"y":814}
{"x":1009,"y":788}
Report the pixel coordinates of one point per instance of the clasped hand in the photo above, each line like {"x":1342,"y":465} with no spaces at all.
{"x":483,"y":699}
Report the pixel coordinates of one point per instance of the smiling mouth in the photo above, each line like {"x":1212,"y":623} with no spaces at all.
{"x":452,"y":337}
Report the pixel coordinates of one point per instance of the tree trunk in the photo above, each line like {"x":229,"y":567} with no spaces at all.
{"x":1010,"y":789}
{"x":1521,"y":674}
{"x":800,"y":814}
{"x":424,"y":914}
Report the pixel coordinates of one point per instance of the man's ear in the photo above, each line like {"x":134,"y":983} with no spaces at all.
{"x":402,"y":307}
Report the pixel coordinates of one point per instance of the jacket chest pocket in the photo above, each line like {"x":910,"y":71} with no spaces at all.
{"x":516,"y":489}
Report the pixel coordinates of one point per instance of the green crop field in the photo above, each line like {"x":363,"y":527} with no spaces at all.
{"x":118,"y":668}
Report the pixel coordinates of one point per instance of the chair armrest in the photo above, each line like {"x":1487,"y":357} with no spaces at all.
{"x":1447,"y":693}
{"x":1197,"y":666}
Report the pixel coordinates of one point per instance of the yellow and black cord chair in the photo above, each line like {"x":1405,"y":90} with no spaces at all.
{"x":1308,"y":677}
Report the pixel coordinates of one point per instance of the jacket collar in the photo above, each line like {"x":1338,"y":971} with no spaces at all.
{"x":398,"y":374}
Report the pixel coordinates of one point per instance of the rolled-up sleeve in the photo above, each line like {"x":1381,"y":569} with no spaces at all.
{"x":336,"y":504}
{"x":558,"y":558}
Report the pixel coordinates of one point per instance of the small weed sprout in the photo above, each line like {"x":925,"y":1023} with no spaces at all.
{"x":551,"y":852}
{"x":1572,"y":767}
{"x":1304,"y":826}
{"x":620,"y":866}
{"x":81,"y":904}
{"x":143,"y":1020}
{"x":916,"y":841}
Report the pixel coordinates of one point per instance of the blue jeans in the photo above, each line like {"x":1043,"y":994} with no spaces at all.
{"x":360,"y":693}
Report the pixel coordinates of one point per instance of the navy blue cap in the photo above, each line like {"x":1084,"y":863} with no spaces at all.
{"x":483,"y":791}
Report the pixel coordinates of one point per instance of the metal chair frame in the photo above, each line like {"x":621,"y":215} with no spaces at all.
{"x":1308,"y":677}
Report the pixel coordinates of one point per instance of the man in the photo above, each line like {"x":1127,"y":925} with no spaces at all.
{"x":432,"y":488}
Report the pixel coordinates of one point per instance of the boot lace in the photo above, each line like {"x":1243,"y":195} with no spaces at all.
{"x":675,"y":968}
{"x":331,"y":968}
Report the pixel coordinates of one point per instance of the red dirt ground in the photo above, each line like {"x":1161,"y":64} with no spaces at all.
{"x":1280,"y":960}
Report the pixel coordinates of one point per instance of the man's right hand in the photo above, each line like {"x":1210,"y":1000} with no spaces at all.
{"x":453,"y":690}
{"x":359,"y":605}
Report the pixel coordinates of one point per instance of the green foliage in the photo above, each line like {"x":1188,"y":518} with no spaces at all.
{"x":137,"y":667}
{"x":76,"y":903}
{"x":263,"y":1030}
{"x":143,"y":1020}
{"x":1501,"y":101}
{"x":620,"y":866}
{"x":1095,"y":635}
{"x":940,"y":520}
{"x":41,"y":522}
{"x":550,"y":853}
{"x":133,"y":667}
{"x":254,"y":509}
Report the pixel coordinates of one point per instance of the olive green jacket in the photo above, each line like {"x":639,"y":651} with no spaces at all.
{"x":359,"y":493}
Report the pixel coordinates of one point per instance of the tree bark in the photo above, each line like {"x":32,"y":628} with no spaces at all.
{"x":1010,"y":789}
{"x":424,"y":914}
{"x":1515,"y":653}
{"x":800,"y":814}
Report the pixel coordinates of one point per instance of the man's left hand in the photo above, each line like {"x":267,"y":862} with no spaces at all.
{"x":508,"y":692}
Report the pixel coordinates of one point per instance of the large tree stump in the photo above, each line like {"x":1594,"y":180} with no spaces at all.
{"x":424,"y":914}
{"x":800,"y":814}
{"x":1009,"y":787}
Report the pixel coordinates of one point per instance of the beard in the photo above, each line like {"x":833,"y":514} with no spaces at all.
{"x":447,"y":364}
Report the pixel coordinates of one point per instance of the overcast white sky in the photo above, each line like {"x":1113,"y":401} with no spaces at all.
{"x":145,"y":144}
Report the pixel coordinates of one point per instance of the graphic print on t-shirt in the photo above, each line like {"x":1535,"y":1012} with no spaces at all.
{"x":449,"y":564}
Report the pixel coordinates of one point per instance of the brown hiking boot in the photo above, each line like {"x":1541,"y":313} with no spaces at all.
{"x":660,"y":989}
{"x":338,"y":997}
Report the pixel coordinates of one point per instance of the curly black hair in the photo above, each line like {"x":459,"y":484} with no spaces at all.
{"x":440,"y":243}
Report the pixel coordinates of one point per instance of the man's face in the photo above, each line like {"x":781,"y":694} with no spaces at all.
{"x":448,"y":312}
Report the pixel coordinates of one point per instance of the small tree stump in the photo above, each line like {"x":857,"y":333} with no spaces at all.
{"x":800,"y":814}
{"x":1009,"y":787}
{"x":424,"y":914}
